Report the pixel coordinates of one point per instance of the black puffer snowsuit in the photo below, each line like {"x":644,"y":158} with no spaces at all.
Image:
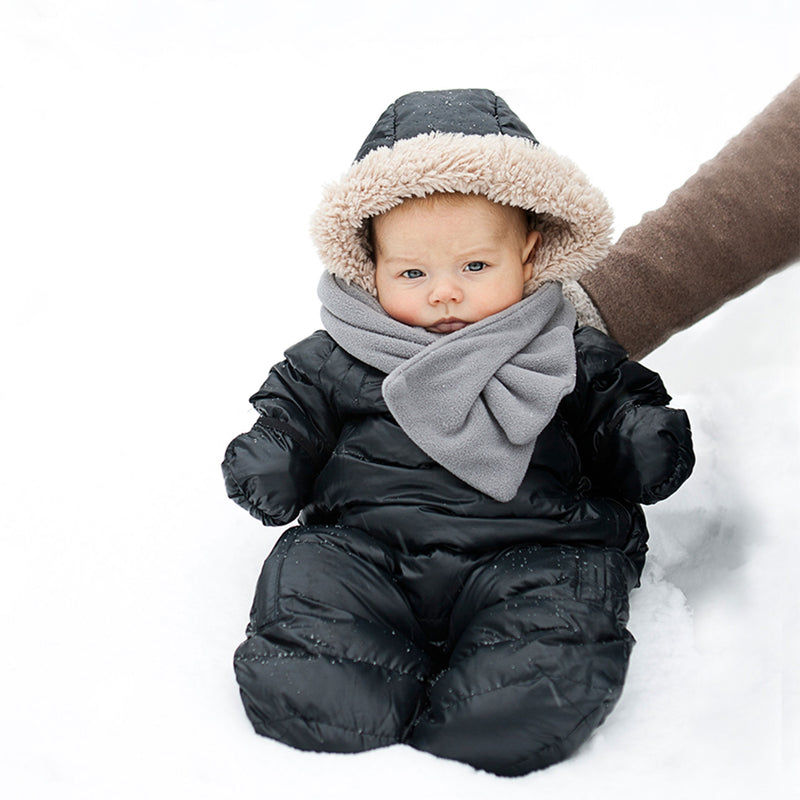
{"x":409,"y":607}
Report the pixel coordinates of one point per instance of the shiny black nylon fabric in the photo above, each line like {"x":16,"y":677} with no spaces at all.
{"x":476,"y":112}
{"x":410,"y":608}
{"x":340,"y":656}
{"x":326,"y":448}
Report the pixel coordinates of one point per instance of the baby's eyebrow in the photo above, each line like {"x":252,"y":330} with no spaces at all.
{"x":478,"y":250}
{"x":401,"y":259}
{"x":473,"y":253}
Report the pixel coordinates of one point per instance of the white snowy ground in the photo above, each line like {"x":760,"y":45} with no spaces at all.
{"x":159,"y":161}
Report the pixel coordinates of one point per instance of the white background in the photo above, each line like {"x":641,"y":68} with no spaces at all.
{"x":159,"y":162}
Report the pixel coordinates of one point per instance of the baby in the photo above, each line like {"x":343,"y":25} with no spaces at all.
{"x":465,"y":463}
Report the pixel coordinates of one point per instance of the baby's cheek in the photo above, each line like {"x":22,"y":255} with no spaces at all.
{"x":402,"y":308}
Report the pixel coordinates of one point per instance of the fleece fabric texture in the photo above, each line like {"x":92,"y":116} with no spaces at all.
{"x":474,"y":400}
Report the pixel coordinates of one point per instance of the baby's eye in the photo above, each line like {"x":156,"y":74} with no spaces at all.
{"x":412,"y":273}
{"x":475,"y":266}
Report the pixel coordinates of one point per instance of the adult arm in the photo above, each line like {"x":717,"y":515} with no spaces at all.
{"x":731,"y":225}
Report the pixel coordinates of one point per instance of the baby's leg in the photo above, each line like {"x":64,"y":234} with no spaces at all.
{"x":334,"y":659}
{"x":540,"y":653}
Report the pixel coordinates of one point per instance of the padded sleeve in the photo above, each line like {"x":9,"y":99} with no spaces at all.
{"x":270,"y":470}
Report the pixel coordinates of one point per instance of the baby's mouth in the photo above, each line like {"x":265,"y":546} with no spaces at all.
{"x":448,"y":325}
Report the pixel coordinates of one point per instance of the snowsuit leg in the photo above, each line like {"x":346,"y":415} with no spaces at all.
{"x":334,"y":659}
{"x":539,"y":657}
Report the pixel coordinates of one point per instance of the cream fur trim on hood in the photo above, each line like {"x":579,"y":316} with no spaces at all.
{"x":572,"y":215}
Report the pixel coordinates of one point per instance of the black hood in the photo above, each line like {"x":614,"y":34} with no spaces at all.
{"x":474,"y":112}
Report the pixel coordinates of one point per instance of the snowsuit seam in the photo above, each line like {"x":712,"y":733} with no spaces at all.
{"x":533,"y":635}
{"x":252,"y":508}
{"x":338,"y":384}
{"x":276,"y":598}
{"x":237,"y":485}
{"x":347,"y":551}
{"x":461,"y":699}
{"x":316,"y":656}
{"x":271,"y":423}
{"x":344,"y":451}
{"x":378,"y":736}
{"x":353,"y":554}
{"x":559,"y":739}
{"x":540,"y":672}
{"x":656,"y":492}
{"x":295,"y":541}
{"x":364,"y":378}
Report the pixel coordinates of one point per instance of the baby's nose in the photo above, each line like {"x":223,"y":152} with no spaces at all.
{"x":446,"y":291}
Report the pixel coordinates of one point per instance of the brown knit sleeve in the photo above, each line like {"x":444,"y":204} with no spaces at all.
{"x":732,"y":224}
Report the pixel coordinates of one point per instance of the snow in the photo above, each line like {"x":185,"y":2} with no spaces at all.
{"x":159,"y":164}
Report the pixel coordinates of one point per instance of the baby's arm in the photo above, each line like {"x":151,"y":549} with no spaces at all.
{"x":270,"y":470}
{"x":632,"y":446}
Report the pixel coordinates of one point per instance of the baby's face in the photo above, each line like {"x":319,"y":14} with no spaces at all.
{"x":442,"y":264}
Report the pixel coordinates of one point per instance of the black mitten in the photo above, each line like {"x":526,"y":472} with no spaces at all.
{"x":647,"y":455}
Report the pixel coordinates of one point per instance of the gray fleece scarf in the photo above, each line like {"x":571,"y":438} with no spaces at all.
{"x":474,"y":400}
